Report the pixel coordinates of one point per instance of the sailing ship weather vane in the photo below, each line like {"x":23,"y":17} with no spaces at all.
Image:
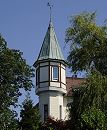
{"x":50,"y":7}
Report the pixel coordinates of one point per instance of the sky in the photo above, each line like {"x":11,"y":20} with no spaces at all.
{"x":23,"y":23}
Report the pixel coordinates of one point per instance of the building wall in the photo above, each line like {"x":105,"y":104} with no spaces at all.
{"x":63,"y":76}
{"x":51,"y":92}
{"x":43,"y":99}
{"x":54,"y":103}
{"x":60,"y":97}
{"x":44,"y":76}
{"x":54,"y":100}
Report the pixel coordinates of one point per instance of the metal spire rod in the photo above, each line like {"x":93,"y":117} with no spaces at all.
{"x":50,"y":6}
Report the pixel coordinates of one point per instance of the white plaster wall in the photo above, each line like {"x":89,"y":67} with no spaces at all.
{"x":55,"y":101}
{"x":53,"y":98}
{"x":63,"y":76}
{"x":43,"y":99}
{"x":54,"y":106}
{"x":56,"y":84}
{"x":44,"y":76}
{"x":61,"y":103}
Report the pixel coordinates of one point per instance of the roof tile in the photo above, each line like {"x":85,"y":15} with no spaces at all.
{"x":73,"y":83}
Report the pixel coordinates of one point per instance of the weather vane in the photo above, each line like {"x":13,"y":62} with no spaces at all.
{"x":50,"y":6}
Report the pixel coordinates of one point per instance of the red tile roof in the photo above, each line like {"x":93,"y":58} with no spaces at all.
{"x":73,"y":82}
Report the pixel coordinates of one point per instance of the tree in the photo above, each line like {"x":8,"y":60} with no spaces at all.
{"x":30,"y":118}
{"x":88,"y":51}
{"x":8,"y":120}
{"x":55,"y":124}
{"x":89,"y":107}
{"x":14,"y":75}
{"x":94,"y":118}
{"x":88,"y":43}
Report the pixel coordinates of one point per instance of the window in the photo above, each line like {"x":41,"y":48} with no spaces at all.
{"x":37,"y":76}
{"x":55,"y":73}
{"x":45,"y":111}
{"x":60,"y":111}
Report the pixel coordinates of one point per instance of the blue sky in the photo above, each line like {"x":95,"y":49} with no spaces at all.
{"x":23,"y":23}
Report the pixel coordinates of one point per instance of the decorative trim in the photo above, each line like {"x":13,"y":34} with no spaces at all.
{"x":50,"y":73}
{"x":52,"y":60}
{"x":63,"y":83}
{"x":43,"y":82}
{"x":44,"y":66}
{"x":59,"y":82}
{"x":52,"y":81}
{"x":50,"y":87}
{"x":37,"y":75}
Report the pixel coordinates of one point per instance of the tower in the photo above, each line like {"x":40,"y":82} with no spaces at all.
{"x":50,"y":77}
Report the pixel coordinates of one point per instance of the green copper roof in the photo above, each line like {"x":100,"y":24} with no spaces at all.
{"x":50,"y":48}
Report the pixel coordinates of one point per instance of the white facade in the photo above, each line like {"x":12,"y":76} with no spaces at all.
{"x":50,"y":91}
{"x":44,"y":77}
{"x":54,"y":101}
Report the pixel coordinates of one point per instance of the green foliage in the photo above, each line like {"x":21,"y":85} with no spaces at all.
{"x":95,"y":91}
{"x":89,"y":107}
{"x":88,"y":51}
{"x":14,"y":75}
{"x":88,"y":43}
{"x":30,"y":118}
{"x":73,"y":107}
{"x":8,"y":120}
{"x":94,"y":118}
{"x":93,"y":103}
{"x":55,"y":124}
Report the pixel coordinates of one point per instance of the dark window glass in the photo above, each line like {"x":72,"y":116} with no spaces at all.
{"x":45,"y":111}
{"x":55,"y":73}
{"x":37,"y":76}
{"x":60,"y":111}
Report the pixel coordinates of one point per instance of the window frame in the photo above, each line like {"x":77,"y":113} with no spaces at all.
{"x":45,"y":111}
{"x":60,"y":112}
{"x":56,"y":78}
{"x":37,"y":76}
